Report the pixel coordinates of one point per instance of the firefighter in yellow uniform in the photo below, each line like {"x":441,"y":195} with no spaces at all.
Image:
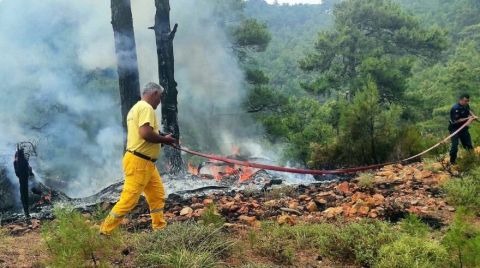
{"x":141,"y":174}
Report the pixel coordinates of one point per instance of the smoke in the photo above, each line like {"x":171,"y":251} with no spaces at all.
{"x":59,"y":85}
{"x":54,"y":91}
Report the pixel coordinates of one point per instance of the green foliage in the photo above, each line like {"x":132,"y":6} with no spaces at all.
{"x":468,"y":161}
{"x":410,"y":251}
{"x":465,"y":192}
{"x":463,"y":241}
{"x":252,"y":34}
{"x":368,"y":128}
{"x":183,"y":245}
{"x":73,"y":242}
{"x":302,"y":123}
{"x":357,"y":242}
{"x":256,"y":77}
{"x":280,"y":243}
{"x":210,"y":216}
{"x":366,"y":179}
{"x":371,"y":38}
{"x":413,"y":226}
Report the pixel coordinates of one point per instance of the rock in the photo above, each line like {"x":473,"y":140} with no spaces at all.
{"x":293,"y":205}
{"x":363,"y":210}
{"x":186,"y":211}
{"x":378,"y":199}
{"x":285,"y":219}
{"x":290,"y":210}
{"x":312,"y":207}
{"x":373,"y":214}
{"x":344,"y":188}
{"x":207,"y":201}
{"x":358,"y":196}
{"x":321,"y":201}
{"x":270,"y":203}
{"x":304,"y":197}
{"x":197,"y":205}
{"x":251,"y":221}
{"x":333,"y":212}
{"x":423,"y":174}
{"x":387,"y":173}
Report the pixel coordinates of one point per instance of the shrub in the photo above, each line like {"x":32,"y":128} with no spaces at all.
{"x":468,"y":161}
{"x":273,"y":241}
{"x":357,"y":242}
{"x":72,"y":241}
{"x":183,"y":245}
{"x":412,"y":252}
{"x":412,"y":225}
{"x":211,"y":216}
{"x":366,"y":179}
{"x":463,"y":241}
{"x":464,"y":192}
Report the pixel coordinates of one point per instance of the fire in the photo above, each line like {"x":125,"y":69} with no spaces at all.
{"x":219,"y":170}
{"x":247,"y":173}
{"x":192,"y":169}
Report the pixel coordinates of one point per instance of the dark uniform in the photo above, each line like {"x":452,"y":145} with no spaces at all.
{"x":458,"y":112}
{"x":23,"y":172}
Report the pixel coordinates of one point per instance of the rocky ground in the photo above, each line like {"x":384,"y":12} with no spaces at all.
{"x":389,"y":193}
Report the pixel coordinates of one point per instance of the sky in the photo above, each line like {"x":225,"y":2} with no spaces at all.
{"x":291,"y":2}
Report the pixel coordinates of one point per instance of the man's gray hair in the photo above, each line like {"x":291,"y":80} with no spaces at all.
{"x":152,"y":87}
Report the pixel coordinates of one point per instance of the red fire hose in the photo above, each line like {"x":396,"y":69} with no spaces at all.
{"x":319,"y":172}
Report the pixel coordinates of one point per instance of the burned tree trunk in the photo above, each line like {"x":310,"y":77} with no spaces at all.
{"x":164,"y":39}
{"x":125,"y":49}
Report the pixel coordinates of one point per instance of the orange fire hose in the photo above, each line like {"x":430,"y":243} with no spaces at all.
{"x":319,"y":172}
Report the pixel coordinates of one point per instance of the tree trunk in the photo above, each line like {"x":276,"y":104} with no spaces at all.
{"x":125,"y":49}
{"x":164,"y":39}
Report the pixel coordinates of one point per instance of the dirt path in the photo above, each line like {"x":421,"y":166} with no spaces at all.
{"x":22,"y":251}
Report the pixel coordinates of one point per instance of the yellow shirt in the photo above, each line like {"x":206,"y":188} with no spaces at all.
{"x":140,"y":114}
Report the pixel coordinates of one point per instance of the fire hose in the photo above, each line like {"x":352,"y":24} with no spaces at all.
{"x":317,"y":171}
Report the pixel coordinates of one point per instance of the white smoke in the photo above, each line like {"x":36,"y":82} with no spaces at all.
{"x":59,"y":85}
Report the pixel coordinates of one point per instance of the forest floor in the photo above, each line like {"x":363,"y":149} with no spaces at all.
{"x":281,"y":227}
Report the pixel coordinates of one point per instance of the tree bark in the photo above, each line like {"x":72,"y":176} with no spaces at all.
{"x":164,"y":40}
{"x":125,"y":50}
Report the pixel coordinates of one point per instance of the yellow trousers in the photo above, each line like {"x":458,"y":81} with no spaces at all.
{"x":140,"y":176}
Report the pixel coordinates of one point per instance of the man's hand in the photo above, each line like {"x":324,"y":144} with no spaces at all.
{"x":169,"y":139}
{"x":147,"y":133}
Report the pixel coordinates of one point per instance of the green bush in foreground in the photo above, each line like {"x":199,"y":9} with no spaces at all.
{"x":412,"y":252}
{"x":465,"y":192}
{"x":210,"y":216}
{"x":463,"y":241}
{"x":357,"y":242}
{"x":183,"y":245}
{"x":72,"y":241}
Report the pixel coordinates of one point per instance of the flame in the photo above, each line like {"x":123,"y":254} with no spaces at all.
{"x":247,"y":173}
{"x":218,"y":172}
{"x":192,"y":169}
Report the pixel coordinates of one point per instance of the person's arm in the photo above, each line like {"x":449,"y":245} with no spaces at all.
{"x":147,"y":133}
{"x":474,"y":116}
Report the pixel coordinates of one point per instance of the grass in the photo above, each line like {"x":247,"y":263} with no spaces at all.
{"x":366,"y":179}
{"x":465,"y":192}
{"x":183,"y":245}
{"x":73,"y":241}
{"x":412,"y":252}
{"x":463,"y":241}
{"x":210,"y":216}
{"x":280,"y":192}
